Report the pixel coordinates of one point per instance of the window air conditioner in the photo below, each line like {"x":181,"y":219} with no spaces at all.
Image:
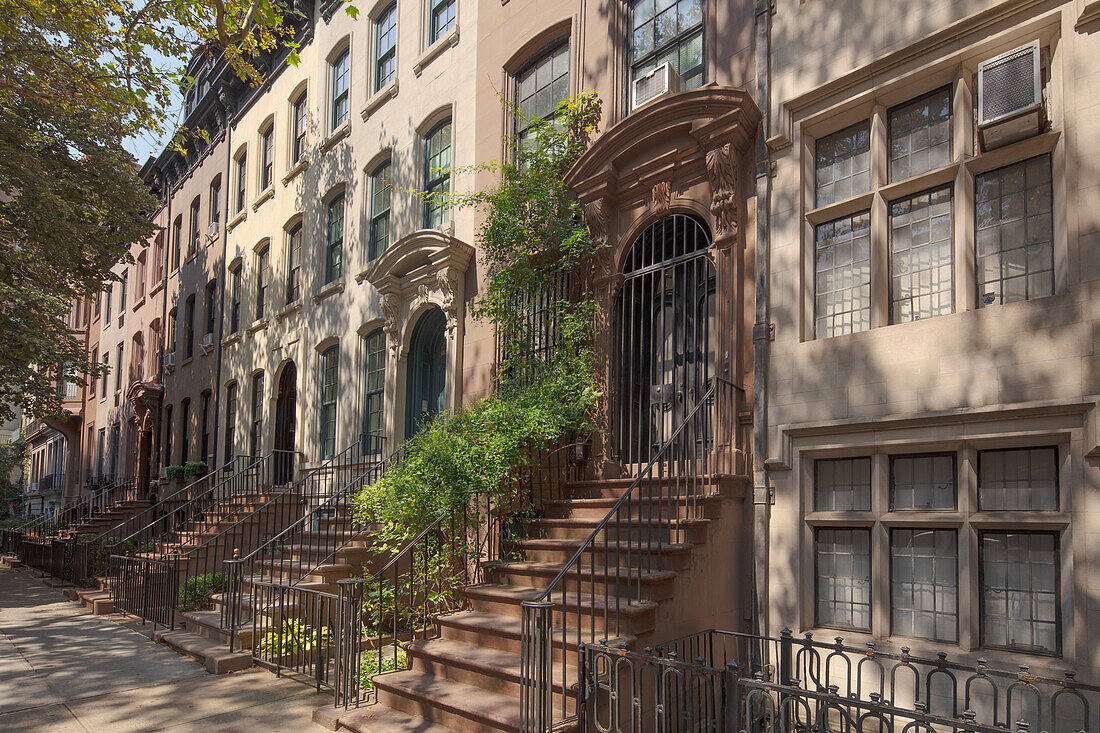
{"x":170,"y":360}
{"x":212,"y":231}
{"x":662,"y":80}
{"x":207,"y":341}
{"x":1010,"y":97}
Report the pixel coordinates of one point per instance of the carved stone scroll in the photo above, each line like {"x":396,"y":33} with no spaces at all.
{"x":723,"y":189}
{"x":661,"y":197}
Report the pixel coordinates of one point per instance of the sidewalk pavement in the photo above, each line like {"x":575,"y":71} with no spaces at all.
{"x":63,"y":669}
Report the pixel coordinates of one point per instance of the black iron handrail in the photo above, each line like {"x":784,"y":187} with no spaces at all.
{"x":686,"y":484}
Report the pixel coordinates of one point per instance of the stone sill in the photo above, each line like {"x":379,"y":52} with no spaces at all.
{"x":258,"y":325}
{"x":231,"y":339}
{"x":337,"y":135}
{"x":300,"y":166}
{"x":241,"y":216}
{"x":332,"y":288}
{"x":442,"y":44}
{"x":289,"y":309}
{"x":383,"y":95}
{"x":267,"y":193}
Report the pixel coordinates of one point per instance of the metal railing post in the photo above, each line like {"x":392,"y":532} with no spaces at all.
{"x":732,"y":701}
{"x":536,"y":694}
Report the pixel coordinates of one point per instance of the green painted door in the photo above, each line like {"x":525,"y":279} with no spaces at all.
{"x":427,"y":371}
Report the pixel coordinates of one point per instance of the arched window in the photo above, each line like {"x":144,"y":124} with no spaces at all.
{"x":339,"y":71}
{"x":298,"y":133}
{"x":379,"y":211}
{"x":267,"y":157}
{"x":256,"y":437}
{"x":437,"y":174}
{"x":540,"y":87}
{"x":374,"y":386}
{"x":334,"y":239}
{"x":294,"y":264}
{"x":230,"y":422}
{"x":330,"y":358}
{"x":669,"y":33}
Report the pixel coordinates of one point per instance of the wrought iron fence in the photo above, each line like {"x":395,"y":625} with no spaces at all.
{"x":725,"y":681}
{"x":603,"y":584}
{"x":144,"y":587}
{"x":295,"y":631}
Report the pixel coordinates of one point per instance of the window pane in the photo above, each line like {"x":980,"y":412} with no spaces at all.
{"x":843,"y":276}
{"x":542,"y":87}
{"x":443,"y":17}
{"x":340,"y":69}
{"x":385,"y":58}
{"x":842,"y":164}
{"x":921,"y":270}
{"x":335,"y":240}
{"x":842,"y":484}
{"x":437,"y":174}
{"x":1018,"y":480}
{"x":1020,"y":591}
{"x":920,"y":135}
{"x":329,"y":374}
{"x":294,"y":265}
{"x":924,"y":583}
{"x":1015,"y":232}
{"x":667,"y":31}
{"x":374,"y":383}
{"x":923,"y":482}
{"x":843,"y":578}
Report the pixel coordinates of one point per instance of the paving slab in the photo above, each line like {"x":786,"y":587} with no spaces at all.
{"x":64,"y":669}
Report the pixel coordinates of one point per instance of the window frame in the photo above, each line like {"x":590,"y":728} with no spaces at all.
{"x":378,"y":215}
{"x":437,"y":31}
{"x":339,"y":99}
{"x":655,"y":54}
{"x":236,"y":282}
{"x":229,"y":438}
{"x":294,"y":263}
{"x":328,"y":398}
{"x":383,"y":24}
{"x":334,"y":237}
{"x":267,"y":156}
{"x":372,"y":395}
{"x":1059,"y":625}
{"x":256,"y":418}
{"x":299,"y":115}
{"x":263,"y":267}
{"x":442,"y":181}
{"x":241,"y":197}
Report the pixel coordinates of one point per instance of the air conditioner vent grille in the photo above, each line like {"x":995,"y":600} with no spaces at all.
{"x":1009,"y":83}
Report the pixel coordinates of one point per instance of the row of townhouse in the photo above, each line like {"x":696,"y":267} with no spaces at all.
{"x":819,"y":204}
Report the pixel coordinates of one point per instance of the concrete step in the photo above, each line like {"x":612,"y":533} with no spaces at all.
{"x":463,"y":707}
{"x":213,"y":655}
{"x":493,"y":631}
{"x":482,"y":667}
{"x":208,"y":624}
{"x":691,"y":531}
{"x":628,"y":616}
{"x":376,"y":719}
{"x":674,"y":556}
{"x":655,"y":585}
{"x":597,"y":508}
{"x":98,"y":601}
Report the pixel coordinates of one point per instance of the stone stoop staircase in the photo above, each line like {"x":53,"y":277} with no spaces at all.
{"x":468,"y":678}
{"x":308,"y":562}
{"x":114,"y":516}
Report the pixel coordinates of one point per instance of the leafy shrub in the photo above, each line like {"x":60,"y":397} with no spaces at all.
{"x":293,"y":637}
{"x":194,"y":468}
{"x":195,"y":593}
{"x":370,"y":665}
{"x":173,"y":473}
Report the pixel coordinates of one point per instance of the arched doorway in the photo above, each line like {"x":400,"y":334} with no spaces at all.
{"x":286,"y":410}
{"x":664,"y":334}
{"x":426,"y":378}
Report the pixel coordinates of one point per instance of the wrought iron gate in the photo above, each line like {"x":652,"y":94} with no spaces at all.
{"x":664,"y":334}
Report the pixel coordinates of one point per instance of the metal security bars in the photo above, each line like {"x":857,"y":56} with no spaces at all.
{"x":725,"y":681}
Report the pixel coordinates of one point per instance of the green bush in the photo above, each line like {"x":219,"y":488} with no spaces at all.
{"x":194,"y":468}
{"x":294,"y":636}
{"x":370,"y":665}
{"x":173,"y":473}
{"x":196,"y":591}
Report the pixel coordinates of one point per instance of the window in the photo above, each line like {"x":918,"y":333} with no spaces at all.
{"x":842,"y":164}
{"x":339,"y":70}
{"x":923,"y":482}
{"x":374,"y":385}
{"x":140,"y":289}
{"x":842,"y":484}
{"x":167,"y":434}
{"x":122,"y":294}
{"x":262,"y":275}
{"x":267,"y":157}
{"x":298,"y":140}
{"x":1015,"y":232}
{"x":107,"y":305}
{"x":437,"y":174}
{"x":921,"y":281}
{"x":91,"y":382}
{"x":668,"y":32}
{"x":242,"y":182}
{"x":540,"y":88}
{"x":842,"y":275}
{"x":920,"y":135}
{"x":106,"y":371}
{"x":216,"y":201}
{"x":185,"y":430}
{"x":172,"y":316}
{"x":101,"y":452}
{"x":442,"y":17}
{"x":379,"y":211}
{"x":193,"y":247}
{"x":334,"y":239}
{"x":924,"y":584}
{"x":294,"y":264}
{"x":1024,"y":479}
{"x":256,"y":437}
{"x":189,"y":328}
{"x":230,"y":422}
{"x":843,"y":582}
{"x":329,"y":382}
{"x":235,"y":299}
{"x":177,"y":242}
{"x":1020,"y":591}
{"x":204,"y":435}
{"x":385,"y":47}
{"x":211,"y":306}
{"x":118,"y":366}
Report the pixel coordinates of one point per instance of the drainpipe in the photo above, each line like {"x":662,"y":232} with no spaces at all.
{"x":223,"y":276}
{"x":761,"y":328}
{"x":155,"y":444}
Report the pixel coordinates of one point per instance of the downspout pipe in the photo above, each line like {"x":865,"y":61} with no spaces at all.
{"x":223,"y":278}
{"x":761,"y":328}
